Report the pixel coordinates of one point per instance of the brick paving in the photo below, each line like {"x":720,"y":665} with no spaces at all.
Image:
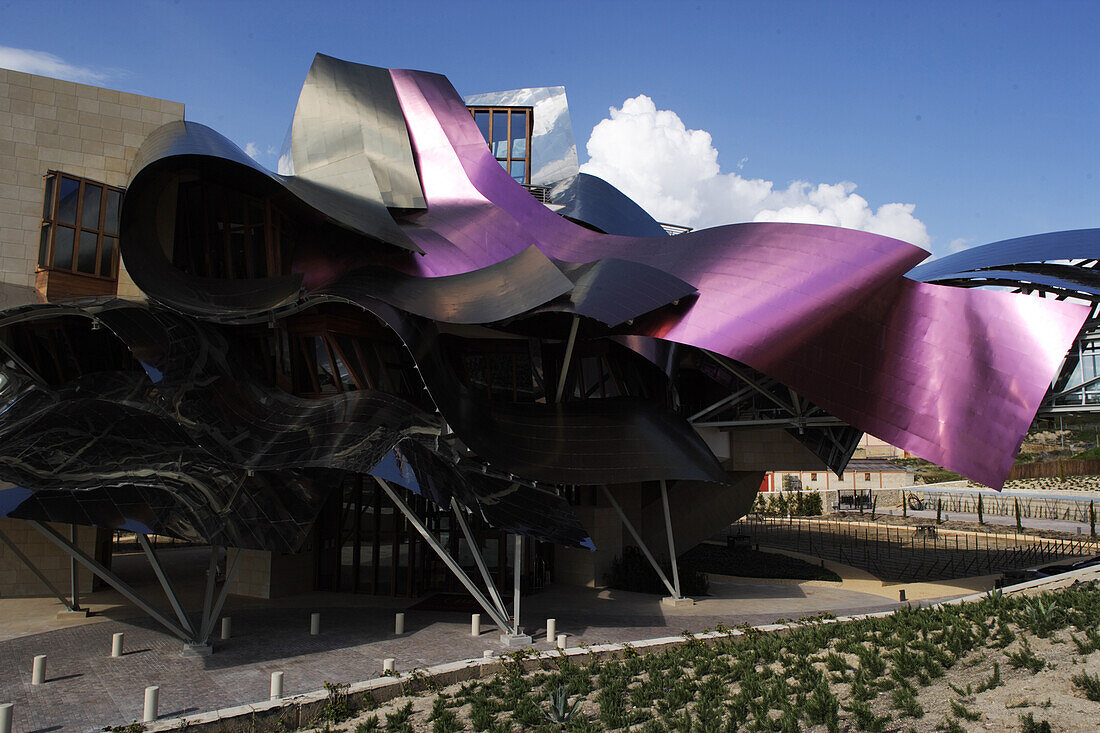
{"x":86,"y":689}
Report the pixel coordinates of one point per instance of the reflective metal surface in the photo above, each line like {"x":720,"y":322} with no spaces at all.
{"x":595,"y":202}
{"x":553,"y":149}
{"x":824,"y":310}
{"x":404,"y":221}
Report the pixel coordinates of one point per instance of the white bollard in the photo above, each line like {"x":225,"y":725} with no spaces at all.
{"x":399,"y":624}
{"x":276,"y":685}
{"x":152,"y":700}
{"x":561,"y":641}
{"x":475,"y":624}
{"x":314,"y":624}
{"x":6,"y":712}
{"x":387,"y":664}
{"x":116,"y":644}
{"x":227,"y":628}
{"x":551,"y":630}
{"x":38,"y":670}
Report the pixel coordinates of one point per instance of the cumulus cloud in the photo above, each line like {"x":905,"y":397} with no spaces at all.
{"x":47,"y":64}
{"x":673,"y":172}
{"x":252,"y":150}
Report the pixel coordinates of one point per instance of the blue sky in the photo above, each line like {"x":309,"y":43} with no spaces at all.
{"x":981,"y":116}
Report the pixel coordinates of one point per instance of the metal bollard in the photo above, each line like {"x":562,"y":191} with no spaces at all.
{"x":152,"y":700}
{"x":276,"y":685}
{"x":38,"y":670}
{"x":901,"y":595}
{"x":561,"y":641}
{"x":475,"y":624}
{"x":6,"y":714}
{"x":399,"y":624}
{"x":314,"y":624}
{"x":116,"y":644}
{"x":551,"y":630}
{"x":227,"y":628}
{"x":387,"y":664}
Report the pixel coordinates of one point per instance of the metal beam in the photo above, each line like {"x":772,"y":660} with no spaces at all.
{"x":568,"y":357}
{"x":74,"y":586}
{"x":34,"y":569}
{"x":671,"y":541}
{"x":110,"y":578}
{"x":720,"y":403}
{"x":230,"y":572}
{"x":517,"y":566}
{"x":501,"y":621}
{"x":750,"y":382}
{"x":165,"y":583}
{"x":211,"y":582}
{"x":794,"y":422}
{"x":638,"y":539}
{"x":478,"y":559}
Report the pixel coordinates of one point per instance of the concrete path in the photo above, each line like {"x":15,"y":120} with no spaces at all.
{"x":86,"y":690}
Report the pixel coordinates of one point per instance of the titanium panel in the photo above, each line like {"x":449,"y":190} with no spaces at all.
{"x":824,"y":310}
{"x":595,"y":202}
{"x":349,"y":135}
{"x":1068,"y":245}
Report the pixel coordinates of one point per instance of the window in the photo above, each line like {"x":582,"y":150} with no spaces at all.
{"x":866,"y":477}
{"x":508,"y":132}
{"x":813,"y":477}
{"x":79,"y":226}
{"x":225,"y":233}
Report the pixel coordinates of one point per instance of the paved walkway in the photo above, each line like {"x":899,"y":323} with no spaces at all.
{"x":87,"y":690}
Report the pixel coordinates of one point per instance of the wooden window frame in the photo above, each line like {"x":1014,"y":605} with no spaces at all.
{"x":529,"y":118}
{"x":78,"y":226}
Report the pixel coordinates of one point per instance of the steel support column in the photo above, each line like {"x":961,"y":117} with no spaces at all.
{"x":478,"y":559}
{"x":517,"y":566}
{"x":671,"y":541}
{"x":165,"y":583}
{"x":500,"y":619}
{"x":111,"y":579}
{"x":215,"y":611}
{"x":568,"y":357}
{"x":641,"y":545}
{"x":73,"y":584}
{"x":34,"y":569}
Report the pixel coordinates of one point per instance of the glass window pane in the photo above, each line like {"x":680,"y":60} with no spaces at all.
{"x":518,"y":171}
{"x":482,"y":120}
{"x":89,"y":217}
{"x":519,"y":124}
{"x":66,"y":201}
{"x":63,"y":248}
{"x":110,"y":222}
{"x":85,"y":254}
{"x":519,"y":147}
{"x":47,"y":199}
{"x":500,"y":126}
{"x":44,"y":247}
{"x":500,"y":134}
{"x":107,"y":257}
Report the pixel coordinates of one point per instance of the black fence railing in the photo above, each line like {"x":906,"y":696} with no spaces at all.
{"x":910,"y":553}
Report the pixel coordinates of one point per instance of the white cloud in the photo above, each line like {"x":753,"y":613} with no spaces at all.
{"x":252,"y":150}
{"x":46,"y":64}
{"x":673,"y":173}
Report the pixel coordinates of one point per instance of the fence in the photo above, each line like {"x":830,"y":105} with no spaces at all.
{"x":1004,"y":505}
{"x":911,"y":553}
{"x":1059,"y":468}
